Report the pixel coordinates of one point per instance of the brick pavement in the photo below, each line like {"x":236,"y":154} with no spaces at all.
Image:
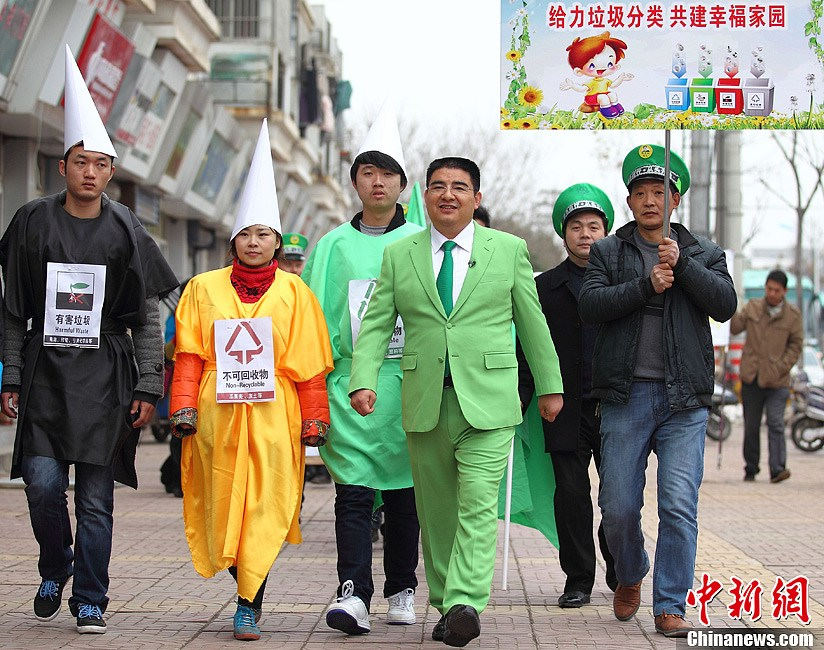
{"x":752,"y":530}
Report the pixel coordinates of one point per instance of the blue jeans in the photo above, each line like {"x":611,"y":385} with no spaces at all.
{"x":47,"y":480}
{"x":629,"y":432}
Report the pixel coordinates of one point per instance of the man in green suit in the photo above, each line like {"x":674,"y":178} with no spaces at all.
{"x":459,"y":396}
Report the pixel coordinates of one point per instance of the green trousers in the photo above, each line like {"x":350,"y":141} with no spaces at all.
{"x":457,"y":471}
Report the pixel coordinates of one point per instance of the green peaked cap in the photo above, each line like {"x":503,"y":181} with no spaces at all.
{"x":647,"y":161}
{"x":581,"y":196}
{"x":294,"y":246}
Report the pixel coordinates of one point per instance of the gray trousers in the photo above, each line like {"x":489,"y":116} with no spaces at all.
{"x":754,"y":399}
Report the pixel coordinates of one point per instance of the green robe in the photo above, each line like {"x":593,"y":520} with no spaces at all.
{"x":369,"y":450}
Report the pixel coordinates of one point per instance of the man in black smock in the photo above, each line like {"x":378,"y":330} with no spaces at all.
{"x":79,"y":405}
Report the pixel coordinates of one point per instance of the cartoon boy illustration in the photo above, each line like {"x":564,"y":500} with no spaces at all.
{"x":597,"y":57}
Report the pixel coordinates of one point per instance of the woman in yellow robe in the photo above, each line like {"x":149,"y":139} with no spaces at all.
{"x":242,"y":470}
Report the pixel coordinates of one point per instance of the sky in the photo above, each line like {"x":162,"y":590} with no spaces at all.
{"x":442,"y":61}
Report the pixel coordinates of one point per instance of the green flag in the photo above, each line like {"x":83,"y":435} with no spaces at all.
{"x":415,"y":212}
{"x":533,"y":479}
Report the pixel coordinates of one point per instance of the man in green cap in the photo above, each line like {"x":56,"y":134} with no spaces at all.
{"x":293,"y":254}
{"x":652,"y":294}
{"x":582,"y":215}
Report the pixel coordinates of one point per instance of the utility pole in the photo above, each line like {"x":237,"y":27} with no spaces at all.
{"x":728,"y":214}
{"x":700,"y":174}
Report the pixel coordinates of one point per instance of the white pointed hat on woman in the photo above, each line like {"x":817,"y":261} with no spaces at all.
{"x":82,"y":122}
{"x":259,"y":200}
{"x":383,"y":136}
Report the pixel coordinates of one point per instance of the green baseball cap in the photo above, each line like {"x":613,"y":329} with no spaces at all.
{"x":294,"y":246}
{"x":647,"y":161}
{"x":581,"y":196}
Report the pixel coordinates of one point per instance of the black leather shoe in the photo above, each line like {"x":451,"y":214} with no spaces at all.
{"x":570,"y":599}
{"x":461,"y":625}
{"x":437,"y":633}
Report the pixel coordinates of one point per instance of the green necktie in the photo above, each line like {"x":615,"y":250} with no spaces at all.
{"x":444,"y":281}
{"x":444,"y":285}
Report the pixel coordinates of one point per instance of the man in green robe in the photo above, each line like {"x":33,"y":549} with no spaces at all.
{"x":367,"y":455}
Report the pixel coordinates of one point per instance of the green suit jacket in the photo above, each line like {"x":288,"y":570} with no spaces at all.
{"x":498,"y":290}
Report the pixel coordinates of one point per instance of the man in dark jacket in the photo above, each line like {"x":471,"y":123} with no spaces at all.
{"x":582,"y":215}
{"x":652,"y":294}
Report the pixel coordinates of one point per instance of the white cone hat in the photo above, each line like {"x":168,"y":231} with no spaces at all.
{"x":384,"y":136}
{"x":259,"y":200}
{"x":82,"y":121}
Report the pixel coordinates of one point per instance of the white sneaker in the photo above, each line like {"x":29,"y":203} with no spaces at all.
{"x":348,"y":613}
{"x":402,"y":608}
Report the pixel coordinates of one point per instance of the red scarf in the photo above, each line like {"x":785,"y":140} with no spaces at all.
{"x":252,"y":283}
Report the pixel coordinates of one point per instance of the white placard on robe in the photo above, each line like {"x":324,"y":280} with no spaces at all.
{"x":360,"y":293}
{"x":245,"y":360}
{"x":74,"y":305}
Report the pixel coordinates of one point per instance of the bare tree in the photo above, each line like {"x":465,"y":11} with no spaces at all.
{"x":802,"y":156}
{"x":517,"y":200}
{"x":755,"y":224}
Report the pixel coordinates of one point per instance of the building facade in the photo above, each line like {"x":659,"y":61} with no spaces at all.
{"x":182,"y":86}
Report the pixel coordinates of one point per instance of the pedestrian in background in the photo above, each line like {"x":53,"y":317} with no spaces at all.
{"x":652,"y":294}
{"x":481,"y":217}
{"x":293,"y":253}
{"x":775,"y":338}
{"x":242,"y":457}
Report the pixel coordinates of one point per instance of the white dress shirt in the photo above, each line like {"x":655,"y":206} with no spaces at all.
{"x":461,"y":256}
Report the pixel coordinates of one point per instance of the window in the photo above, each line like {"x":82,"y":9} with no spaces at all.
{"x":153,"y":121}
{"x":213,"y":169}
{"x":180,"y":146}
{"x":238,"y":18}
{"x":15,"y":17}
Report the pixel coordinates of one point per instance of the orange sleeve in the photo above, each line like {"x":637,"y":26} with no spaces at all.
{"x":314,"y":402}
{"x":186,"y":382}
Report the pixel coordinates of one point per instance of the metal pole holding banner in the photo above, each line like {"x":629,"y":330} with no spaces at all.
{"x":721,"y":432}
{"x":667,"y":149}
{"x":508,"y":511}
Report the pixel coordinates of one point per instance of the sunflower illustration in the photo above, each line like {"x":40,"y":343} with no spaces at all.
{"x":530,"y":96}
{"x":507,"y":124}
{"x":504,"y":112}
{"x":513,"y":55}
{"x":526,"y":123}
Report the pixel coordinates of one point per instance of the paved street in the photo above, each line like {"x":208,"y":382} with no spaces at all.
{"x":750,"y":530}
